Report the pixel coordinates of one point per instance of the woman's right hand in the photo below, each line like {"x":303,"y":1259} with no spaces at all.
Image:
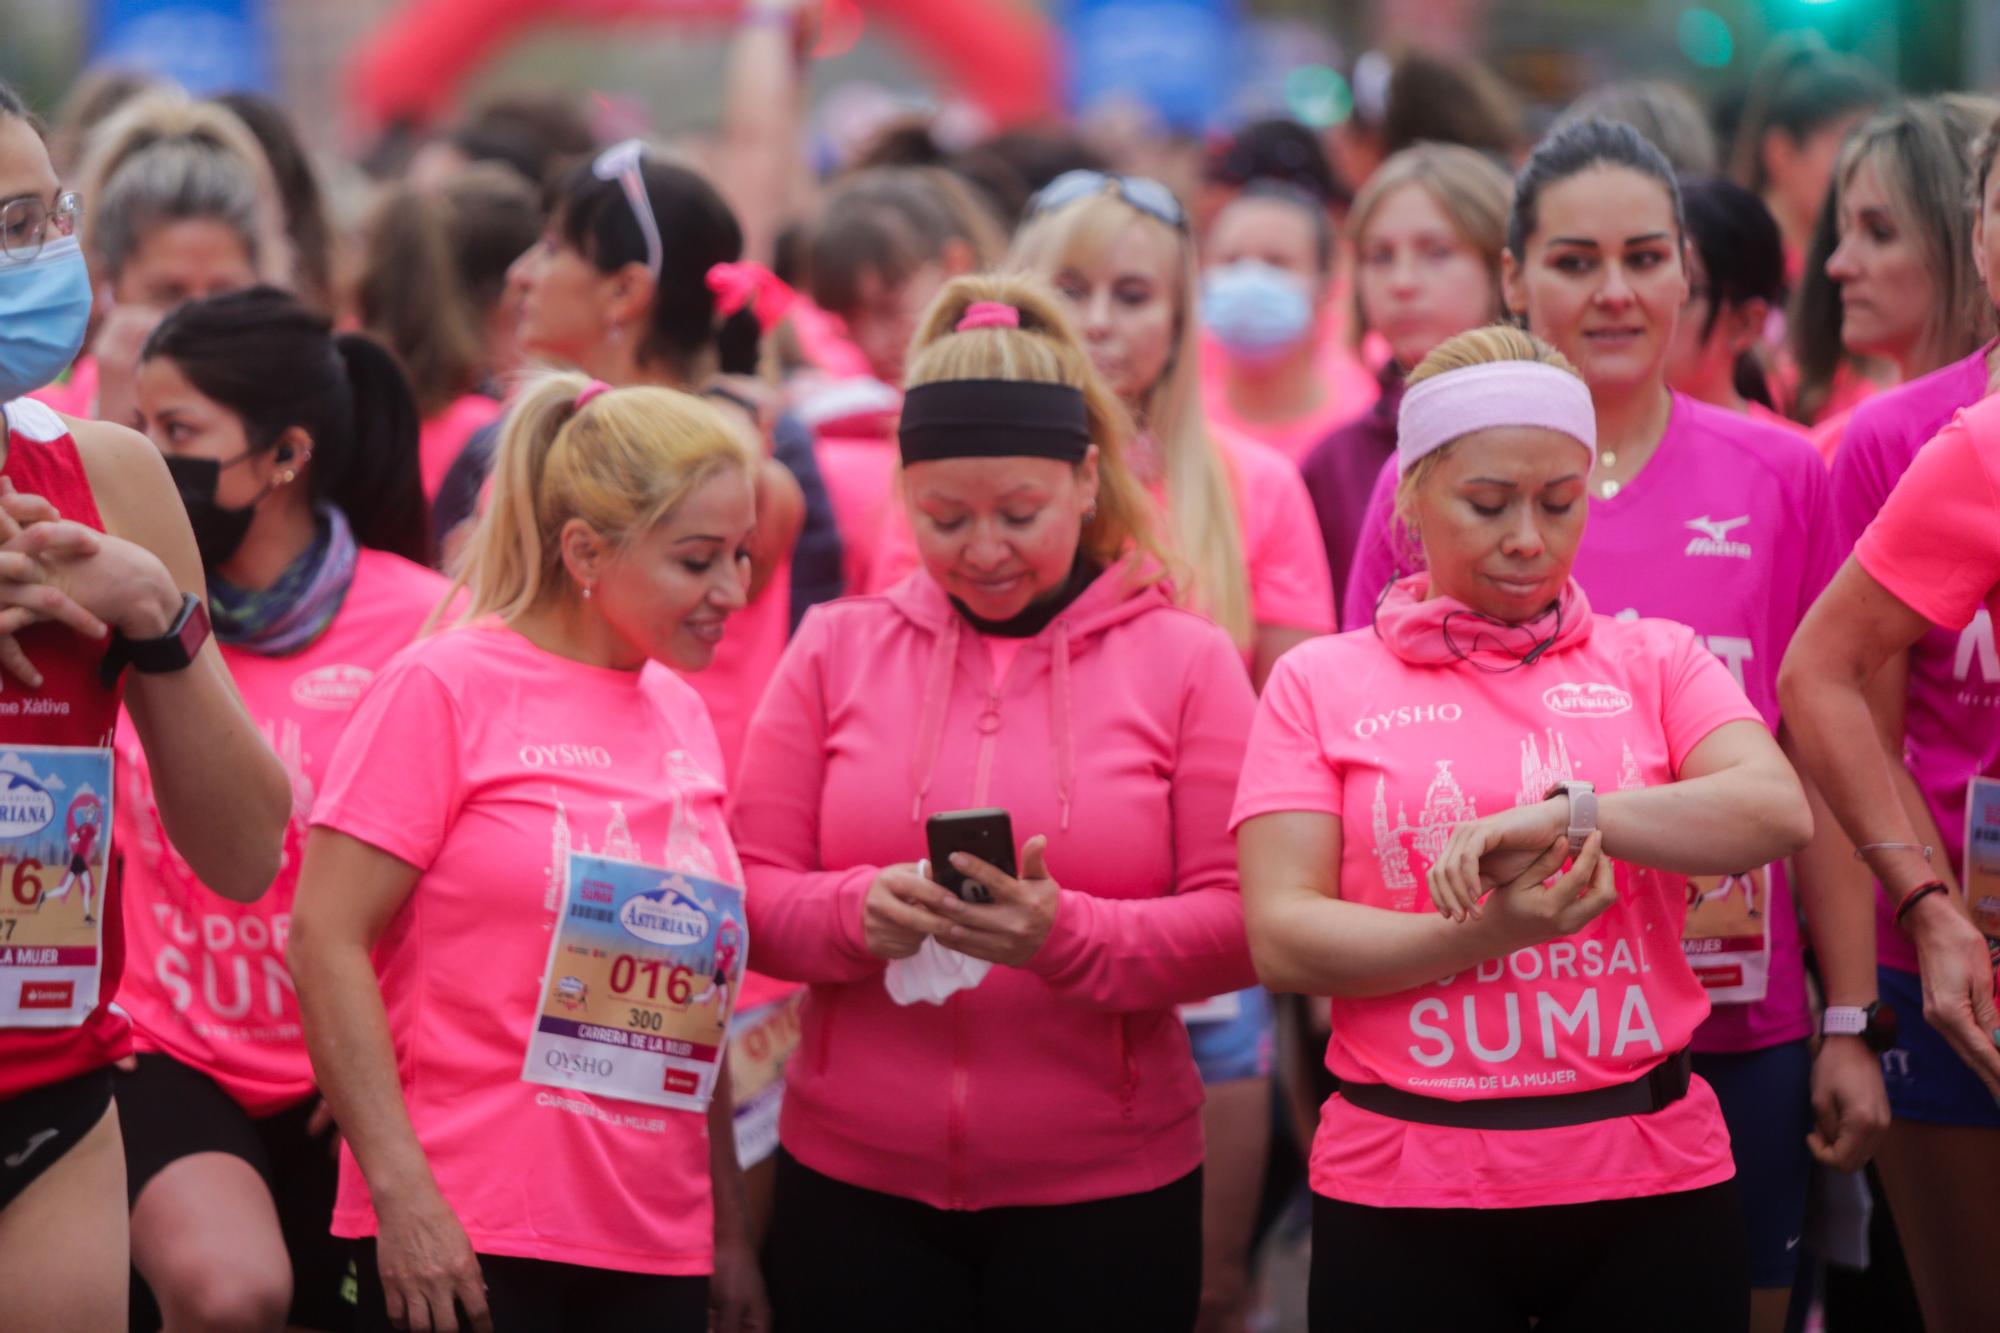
{"x":427,"y":1264}
{"x":897,"y":912}
{"x":1526,"y":912}
{"x":1958,"y":982}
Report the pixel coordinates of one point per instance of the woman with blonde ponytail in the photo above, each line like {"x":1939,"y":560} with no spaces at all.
{"x":1027,"y":1155}
{"x":519,"y":933}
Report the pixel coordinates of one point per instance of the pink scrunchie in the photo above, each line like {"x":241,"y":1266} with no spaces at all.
{"x":590,"y":391}
{"x":750,"y":284}
{"x":988,"y":315}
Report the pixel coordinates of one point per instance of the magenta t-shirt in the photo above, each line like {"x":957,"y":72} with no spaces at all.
{"x":1402,"y":750}
{"x":1728,"y":530}
{"x":1951,"y":714}
{"x":484,"y":761}
{"x":205,"y":978}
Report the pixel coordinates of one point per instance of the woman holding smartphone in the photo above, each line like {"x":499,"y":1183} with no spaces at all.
{"x":1025,"y":1154}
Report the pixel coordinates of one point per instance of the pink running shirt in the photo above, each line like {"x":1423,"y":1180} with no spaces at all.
{"x":443,"y":437}
{"x":484,"y":761}
{"x":205,"y":978}
{"x":1727,"y":529}
{"x":1951,"y":713}
{"x":1401,"y":742}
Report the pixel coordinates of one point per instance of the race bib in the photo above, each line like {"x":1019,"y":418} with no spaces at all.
{"x":1728,"y":935}
{"x":55,"y":858}
{"x":759,"y":1048}
{"x":643,"y":973}
{"x":1982,"y":855}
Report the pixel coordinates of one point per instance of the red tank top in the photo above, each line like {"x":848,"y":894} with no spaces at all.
{"x":73,"y":711}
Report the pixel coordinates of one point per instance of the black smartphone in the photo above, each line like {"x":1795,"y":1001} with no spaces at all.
{"x":986,"y":834}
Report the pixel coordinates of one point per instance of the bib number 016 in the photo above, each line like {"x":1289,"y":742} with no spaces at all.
{"x":652,"y":980}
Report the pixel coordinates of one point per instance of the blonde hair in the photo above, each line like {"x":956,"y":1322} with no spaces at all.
{"x":164,"y":158}
{"x":621,"y":463}
{"x":1477,"y":347}
{"x":1045,"y":349}
{"x":1468,"y":187}
{"x":1201,"y":492}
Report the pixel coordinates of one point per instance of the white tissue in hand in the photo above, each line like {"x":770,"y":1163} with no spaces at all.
{"x":933,"y":974}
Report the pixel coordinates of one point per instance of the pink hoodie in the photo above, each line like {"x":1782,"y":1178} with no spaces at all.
{"x":1118,"y":732}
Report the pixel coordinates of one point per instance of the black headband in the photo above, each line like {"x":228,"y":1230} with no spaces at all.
{"x":993,"y":419}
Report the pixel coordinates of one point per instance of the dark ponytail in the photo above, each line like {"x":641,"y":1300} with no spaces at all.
{"x":276,"y":364}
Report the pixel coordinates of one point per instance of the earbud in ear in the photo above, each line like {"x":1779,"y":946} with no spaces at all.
{"x":284,"y":453}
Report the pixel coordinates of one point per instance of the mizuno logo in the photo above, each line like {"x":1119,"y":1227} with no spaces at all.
{"x":1714,"y":537}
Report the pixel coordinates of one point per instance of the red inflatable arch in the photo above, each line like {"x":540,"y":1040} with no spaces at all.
{"x":999,"y":54}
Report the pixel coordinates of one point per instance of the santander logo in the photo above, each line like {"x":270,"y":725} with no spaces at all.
{"x":334,"y":688}
{"x":1573,"y":700}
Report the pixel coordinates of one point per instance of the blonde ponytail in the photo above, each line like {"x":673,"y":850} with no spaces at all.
{"x":621,"y":463}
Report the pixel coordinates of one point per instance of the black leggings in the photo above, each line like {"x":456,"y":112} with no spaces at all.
{"x":846,"y":1257}
{"x":539,"y":1296}
{"x":1674,"y":1263}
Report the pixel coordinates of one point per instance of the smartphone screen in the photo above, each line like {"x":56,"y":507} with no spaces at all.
{"x":986,"y":834}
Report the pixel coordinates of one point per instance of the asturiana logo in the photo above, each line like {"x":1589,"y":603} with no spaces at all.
{"x":1574,"y":700}
{"x":335,"y":688}
{"x":25,"y":803}
{"x":668,"y":915}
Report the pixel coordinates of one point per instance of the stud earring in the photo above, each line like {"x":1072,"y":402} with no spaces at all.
{"x":586,"y":592}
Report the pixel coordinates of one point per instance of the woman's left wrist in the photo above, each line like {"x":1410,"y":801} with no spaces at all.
{"x":155,"y":615}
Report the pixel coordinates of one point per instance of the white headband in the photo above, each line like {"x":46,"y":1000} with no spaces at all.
{"x":1497,"y":393}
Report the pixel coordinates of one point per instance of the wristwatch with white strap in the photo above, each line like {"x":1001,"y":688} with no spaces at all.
{"x":1874,"y":1023}
{"x":1582,"y":810}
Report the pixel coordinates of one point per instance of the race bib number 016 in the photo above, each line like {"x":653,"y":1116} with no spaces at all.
{"x":643,"y":973}
{"x":55,"y":854}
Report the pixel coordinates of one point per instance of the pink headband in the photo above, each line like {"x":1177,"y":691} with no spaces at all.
{"x":590,"y":391}
{"x":988,"y":315}
{"x":1499,"y":393}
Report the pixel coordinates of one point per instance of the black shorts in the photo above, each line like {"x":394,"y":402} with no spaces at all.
{"x":541,"y":1296}
{"x":169,"y":1111}
{"x":39,"y":1126}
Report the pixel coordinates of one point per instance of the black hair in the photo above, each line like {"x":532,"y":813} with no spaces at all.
{"x":889,"y":221}
{"x":306,"y":223}
{"x":1799,"y":86}
{"x":1743,"y":255}
{"x":12,"y":105}
{"x":265,"y":356}
{"x":536,"y":133}
{"x":697,"y":232}
{"x":1577,"y":147}
{"x":1315,"y":210}
{"x":1277,"y":150}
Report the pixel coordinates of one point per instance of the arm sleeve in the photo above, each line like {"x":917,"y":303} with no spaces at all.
{"x":1285,"y":766}
{"x":805,"y":922}
{"x":1375,"y":561}
{"x":1289,"y":584}
{"x":1697,"y":696}
{"x":396,"y":780}
{"x":1936,"y":543}
{"x":1151,"y":953}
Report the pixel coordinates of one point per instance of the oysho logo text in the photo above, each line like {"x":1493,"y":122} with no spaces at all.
{"x":1407,"y":716}
{"x":565,"y":756}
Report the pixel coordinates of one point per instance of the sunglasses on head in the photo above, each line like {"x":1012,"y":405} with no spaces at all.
{"x":1148,"y":196}
{"x":620,"y":163}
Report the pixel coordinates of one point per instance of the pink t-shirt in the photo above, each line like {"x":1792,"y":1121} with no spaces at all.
{"x":1351,"y":387}
{"x":1401,"y":742}
{"x":443,"y":437}
{"x":1951,"y":713}
{"x":1289,"y":583}
{"x":484,"y":761}
{"x":1293,"y":439}
{"x":205,"y":978}
{"x":1727,"y":529}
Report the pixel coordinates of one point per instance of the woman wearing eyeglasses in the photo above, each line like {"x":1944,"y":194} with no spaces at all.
{"x":107,"y":552}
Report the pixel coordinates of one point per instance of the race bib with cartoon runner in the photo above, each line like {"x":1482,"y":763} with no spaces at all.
{"x":1728,"y":935}
{"x":55,"y":854}
{"x":1982,"y":855}
{"x":642,"y":976}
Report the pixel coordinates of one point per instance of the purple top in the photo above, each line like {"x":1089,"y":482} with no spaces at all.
{"x":1951,"y":720}
{"x":1341,"y":469}
{"x":1727,"y":529}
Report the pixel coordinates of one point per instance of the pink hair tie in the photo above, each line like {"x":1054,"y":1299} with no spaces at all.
{"x":751,"y":285}
{"x":590,"y":391}
{"x":988,"y":315}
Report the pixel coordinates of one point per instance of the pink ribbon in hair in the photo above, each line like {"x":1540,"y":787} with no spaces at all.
{"x":748,"y":284}
{"x":590,"y":391}
{"x":988,"y":315}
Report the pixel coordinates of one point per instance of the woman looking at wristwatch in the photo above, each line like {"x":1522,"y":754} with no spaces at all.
{"x":1514,"y":1068}
{"x":107,"y":551}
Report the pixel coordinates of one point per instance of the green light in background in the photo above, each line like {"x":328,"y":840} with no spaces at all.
{"x":1706,"y":39}
{"x":1318,"y":96}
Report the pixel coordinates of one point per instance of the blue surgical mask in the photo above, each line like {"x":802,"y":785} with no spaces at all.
{"x":44,"y":310}
{"x":1257,"y":312}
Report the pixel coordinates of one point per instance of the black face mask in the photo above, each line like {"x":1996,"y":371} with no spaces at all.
{"x":218,"y":532}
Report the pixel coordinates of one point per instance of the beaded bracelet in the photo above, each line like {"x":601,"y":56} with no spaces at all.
{"x":1920,"y":892}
